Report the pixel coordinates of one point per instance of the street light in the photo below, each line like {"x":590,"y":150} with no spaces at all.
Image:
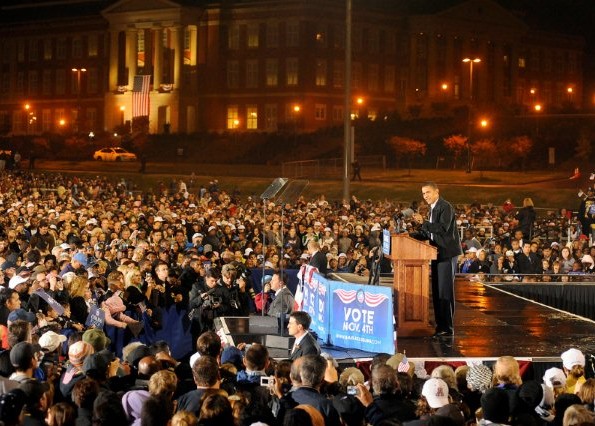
{"x":470,"y":62}
{"x":78,"y":72}
{"x":537,"y":109}
{"x":122,"y":109}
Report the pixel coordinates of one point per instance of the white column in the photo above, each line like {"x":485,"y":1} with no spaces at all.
{"x":113,"y":60}
{"x":178,"y":44}
{"x":131,"y":55}
{"x":158,"y":58}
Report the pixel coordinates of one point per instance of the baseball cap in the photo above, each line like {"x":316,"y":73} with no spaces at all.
{"x":15,"y":281}
{"x":554,"y":378}
{"x":21,"y":354}
{"x":21,"y":314}
{"x":267,"y":279}
{"x":50,"y":341}
{"x":572,"y":357}
{"x":436,"y":392}
{"x":81,"y":258}
{"x":197,"y":235}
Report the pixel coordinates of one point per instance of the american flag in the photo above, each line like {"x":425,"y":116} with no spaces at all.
{"x":140,"y":95}
{"x":403,"y":366}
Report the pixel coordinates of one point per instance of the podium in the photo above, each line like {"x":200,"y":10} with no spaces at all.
{"x":411,"y":261}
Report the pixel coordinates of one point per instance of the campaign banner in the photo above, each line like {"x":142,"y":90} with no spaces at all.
{"x":50,"y":301}
{"x":315,"y":291}
{"x":361,"y":317}
{"x":96,"y":317}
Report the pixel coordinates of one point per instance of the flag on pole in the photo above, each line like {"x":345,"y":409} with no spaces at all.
{"x":403,"y":366}
{"x":140,"y":95}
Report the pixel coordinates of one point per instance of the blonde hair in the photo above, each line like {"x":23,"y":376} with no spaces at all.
{"x":446,"y":373}
{"x":163,"y":383}
{"x":184,"y":418}
{"x":527,"y":202}
{"x":507,"y":372}
{"x":78,"y":286}
{"x":576,"y":415}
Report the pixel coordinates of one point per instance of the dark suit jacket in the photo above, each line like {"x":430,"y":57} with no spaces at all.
{"x":309,"y":396}
{"x":443,"y":229}
{"x":308,"y":346}
{"x":529,"y":264}
{"x":319,"y":262}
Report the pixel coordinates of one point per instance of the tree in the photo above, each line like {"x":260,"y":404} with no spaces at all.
{"x":408,"y":148}
{"x":455,"y":144}
{"x":520,"y":146}
{"x":485,"y":150}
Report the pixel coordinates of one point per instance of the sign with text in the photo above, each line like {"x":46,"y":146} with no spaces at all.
{"x":361,"y":317}
{"x":348,"y":315}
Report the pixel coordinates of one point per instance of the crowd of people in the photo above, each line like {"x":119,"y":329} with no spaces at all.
{"x":106,"y":290}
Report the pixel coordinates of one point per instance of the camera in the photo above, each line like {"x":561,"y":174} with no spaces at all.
{"x":352,"y":390}
{"x":215,"y":300}
{"x":266,"y":380}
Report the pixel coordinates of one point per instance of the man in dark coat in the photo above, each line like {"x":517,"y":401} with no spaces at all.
{"x":441,"y":229}
{"x":305,"y":343}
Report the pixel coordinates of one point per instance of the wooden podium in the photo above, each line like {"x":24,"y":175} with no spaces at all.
{"x":411,"y":262}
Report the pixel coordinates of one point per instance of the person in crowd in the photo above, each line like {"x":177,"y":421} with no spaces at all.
{"x":573,"y":361}
{"x":283,"y":300}
{"x":305,"y":343}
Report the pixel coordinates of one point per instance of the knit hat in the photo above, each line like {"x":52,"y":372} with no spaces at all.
{"x":572,"y":357}
{"x":436,"y":392}
{"x":49,"y":341}
{"x":479,"y":377}
{"x":96,"y":338}
{"x":78,"y":352}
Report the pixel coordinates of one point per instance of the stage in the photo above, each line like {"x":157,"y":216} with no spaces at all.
{"x":490,"y":321}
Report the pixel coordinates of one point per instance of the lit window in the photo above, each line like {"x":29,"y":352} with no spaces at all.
{"x":272,"y":72}
{"x":253,"y":36}
{"x":252,"y":117}
{"x":47,"y":49}
{"x":92,"y":45}
{"x":291,"y":66}
{"x":321,"y":72}
{"x":320,"y":112}
{"x":232,"y":117}
{"x":521,"y":62}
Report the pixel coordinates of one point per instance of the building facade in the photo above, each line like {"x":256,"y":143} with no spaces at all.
{"x":269,"y":65}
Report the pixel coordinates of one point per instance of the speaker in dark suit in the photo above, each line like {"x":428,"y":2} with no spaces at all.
{"x":441,"y":229}
{"x":307,"y":346}
{"x":318,"y":259}
{"x":305,"y":343}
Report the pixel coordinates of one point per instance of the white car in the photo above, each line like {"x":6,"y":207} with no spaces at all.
{"x":114,"y":154}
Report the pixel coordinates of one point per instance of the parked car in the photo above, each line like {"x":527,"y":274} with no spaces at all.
{"x":114,"y":154}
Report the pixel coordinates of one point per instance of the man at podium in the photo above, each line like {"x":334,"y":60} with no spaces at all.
{"x":441,"y":230}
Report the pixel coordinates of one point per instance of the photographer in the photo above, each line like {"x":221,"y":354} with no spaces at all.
{"x":236,"y":291}
{"x":208,"y":302}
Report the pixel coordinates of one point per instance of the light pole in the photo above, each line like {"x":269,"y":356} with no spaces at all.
{"x":537,"y":108}
{"x":296,"y":112}
{"x":78,"y":72}
{"x":470,"y":62}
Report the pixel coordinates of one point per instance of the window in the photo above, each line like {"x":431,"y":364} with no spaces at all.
{"x":272,"y":34}
{"x":338,"y":74}
{"x":291,"y":65}
{"x":338,"y":37}
{"x":270,"y":117}
{"x":373,"y":77}
{"x":92,"y":48}
{"x":60,"y":82}
{"x":47,"y":50}
{"x":252,"y":31}
{"x":389,"y":79}
{"x":21,"y":83}
{"x":61,"y":48}
{"x":321,"y":72}
{"x":92,"y":80}
{"x":32,"y":83}
{"x":252,"y":74}
{"x":321,"y":36}
{"x":77,"y":47}
{"x":292,"y":34}
{"x":272,"y":72}
{"x":356,"y":75}
{"x":33,"y":50}
{"x":46,"y":82}
{"x":232,"y":117}
{"x":46,"y":120}
{"x":233,"y":37}
{"x":320,"y":112}
{"x":140,"y":48}
{"x":252,"y":117}
{"x":521,"y":62}
{"x":90,"y":119}
{"x":337,"y":113}
{"x":233,"y":74}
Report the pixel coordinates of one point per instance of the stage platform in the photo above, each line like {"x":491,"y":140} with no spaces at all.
{"x":490,"y":321}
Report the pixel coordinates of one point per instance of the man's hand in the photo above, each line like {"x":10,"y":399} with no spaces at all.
{"x":418,"y":218}
{"x":364,"y":395}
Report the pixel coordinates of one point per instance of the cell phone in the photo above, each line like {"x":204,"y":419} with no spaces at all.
{"x":207,"y":265}
{"x":147,"y":276}
{"x":266,"y":380}
{"x":352,"y":390}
